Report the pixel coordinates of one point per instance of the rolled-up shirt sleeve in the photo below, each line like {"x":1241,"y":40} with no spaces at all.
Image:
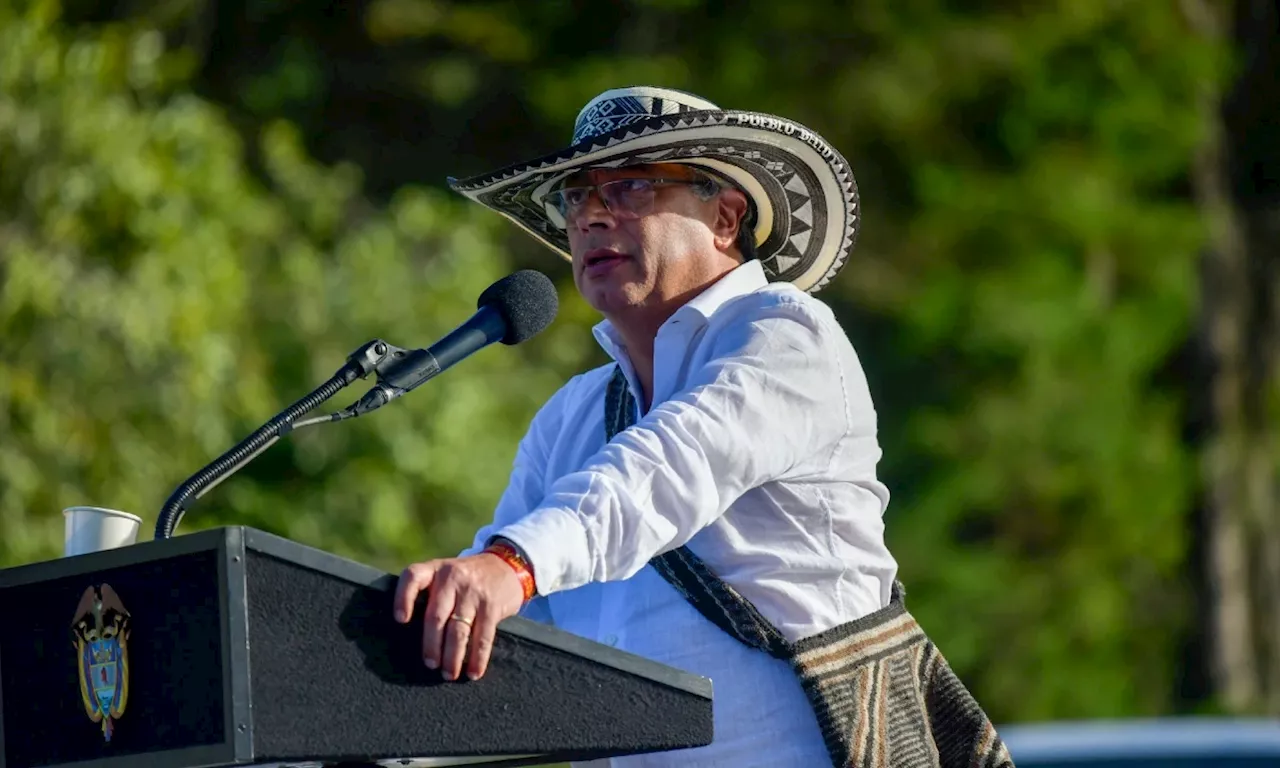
{"x":768,"y":404}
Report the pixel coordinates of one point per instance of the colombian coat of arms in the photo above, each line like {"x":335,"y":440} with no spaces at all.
{"x":100,"y":633}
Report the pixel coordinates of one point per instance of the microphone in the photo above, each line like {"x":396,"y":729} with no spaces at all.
{"x":514,"y":309}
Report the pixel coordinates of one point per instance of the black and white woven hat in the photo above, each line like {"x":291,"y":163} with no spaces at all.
{"x":804,"y":193}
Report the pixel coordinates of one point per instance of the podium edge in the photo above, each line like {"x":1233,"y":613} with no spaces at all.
{"x":315,"y":558}
{"x":143,"y":552}
{"x":202,"y":756}
{"x":4,"y":761}
{"x":237,"y":655}
{"x":633,"y":664}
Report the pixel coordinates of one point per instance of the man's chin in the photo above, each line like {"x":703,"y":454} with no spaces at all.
{"x":609,"y":297}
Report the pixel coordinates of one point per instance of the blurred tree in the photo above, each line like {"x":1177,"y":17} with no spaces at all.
{"x":160,"y":302}
{"x":1025,"y":281}
{"x":1237,"y":181}
{"x":1022,"y":296}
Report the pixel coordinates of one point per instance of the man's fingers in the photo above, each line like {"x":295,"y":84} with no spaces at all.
{"x":439,"y":608}
{"x":466,"y":599}
{"x":457,"y":636}
{"x":413,"y":580}
{"x":483,"y":634}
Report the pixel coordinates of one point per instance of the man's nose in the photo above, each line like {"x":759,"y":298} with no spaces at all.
{"x":594,"y":213}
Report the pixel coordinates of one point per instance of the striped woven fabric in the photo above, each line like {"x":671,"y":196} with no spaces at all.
{"x":883,"y":694}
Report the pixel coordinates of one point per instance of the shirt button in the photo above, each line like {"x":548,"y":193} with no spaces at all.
{"x":611,"y":640}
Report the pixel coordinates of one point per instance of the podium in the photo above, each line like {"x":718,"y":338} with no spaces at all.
{"x":232,"y":646}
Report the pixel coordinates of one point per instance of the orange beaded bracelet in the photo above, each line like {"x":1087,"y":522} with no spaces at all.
{"x":518,"y":563}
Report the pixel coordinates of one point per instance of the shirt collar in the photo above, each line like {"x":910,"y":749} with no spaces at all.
{"x":746,"y":278}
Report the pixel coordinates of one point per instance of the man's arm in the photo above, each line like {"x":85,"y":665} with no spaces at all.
{"x":770,"y":403}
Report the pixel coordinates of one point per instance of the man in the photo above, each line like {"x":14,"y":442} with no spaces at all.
{"x":727,"y":456}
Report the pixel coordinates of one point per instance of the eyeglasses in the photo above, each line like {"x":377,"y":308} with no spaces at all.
{"x":625,"y":198}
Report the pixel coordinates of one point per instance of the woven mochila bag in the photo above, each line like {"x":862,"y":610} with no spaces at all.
{"x":883,"y":694}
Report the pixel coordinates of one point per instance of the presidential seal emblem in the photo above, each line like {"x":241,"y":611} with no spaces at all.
{"x":100,"y":633}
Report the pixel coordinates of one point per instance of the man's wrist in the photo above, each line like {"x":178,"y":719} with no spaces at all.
{"x":509,"y":553}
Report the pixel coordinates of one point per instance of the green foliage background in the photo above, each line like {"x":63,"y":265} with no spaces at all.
{"x":204,"y":207}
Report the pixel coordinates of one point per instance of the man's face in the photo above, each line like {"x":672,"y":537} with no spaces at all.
{"x":622,"y":260}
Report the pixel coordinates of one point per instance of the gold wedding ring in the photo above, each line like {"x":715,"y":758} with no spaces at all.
{"x":463,"y":619}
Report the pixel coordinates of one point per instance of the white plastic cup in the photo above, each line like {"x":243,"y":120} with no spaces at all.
{"x":93,"y":529}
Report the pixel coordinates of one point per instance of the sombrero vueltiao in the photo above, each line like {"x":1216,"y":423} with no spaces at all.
{"x":804,"y":193}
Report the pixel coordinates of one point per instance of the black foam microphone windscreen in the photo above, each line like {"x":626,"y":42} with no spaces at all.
{"x":527,"y":301}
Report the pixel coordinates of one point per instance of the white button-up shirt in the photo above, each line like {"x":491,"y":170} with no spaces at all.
{"x":759,"y":453}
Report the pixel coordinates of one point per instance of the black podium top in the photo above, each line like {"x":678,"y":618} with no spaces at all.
{"x":232,"y":646}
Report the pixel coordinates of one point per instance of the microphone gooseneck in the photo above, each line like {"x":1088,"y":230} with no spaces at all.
{"x":359,"y":364}
{"x":512,"y":310}
{"x":244,"y":452}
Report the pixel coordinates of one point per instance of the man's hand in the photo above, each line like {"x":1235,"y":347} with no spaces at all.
{"x":468,"y":597}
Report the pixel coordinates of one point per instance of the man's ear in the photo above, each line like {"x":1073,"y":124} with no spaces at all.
{"x":731,"y":211}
